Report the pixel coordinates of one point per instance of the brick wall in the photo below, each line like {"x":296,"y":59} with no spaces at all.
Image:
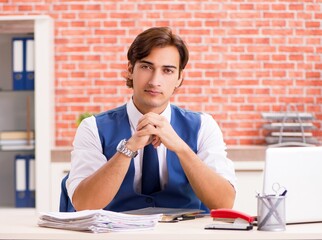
{"x":247,"y":57}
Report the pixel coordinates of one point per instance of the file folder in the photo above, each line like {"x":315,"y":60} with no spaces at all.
{"x":30,"y":64}
{"x":18,"y":64}
{"x":31,"y":190}
{"x":23,"y":69}
{"x":25,"y":181}
{"x":21,"y":181}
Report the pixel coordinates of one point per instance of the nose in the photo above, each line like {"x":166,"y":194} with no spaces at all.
{"x":155,"y":78}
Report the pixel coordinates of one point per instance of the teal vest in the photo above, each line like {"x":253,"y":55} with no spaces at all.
{"x":113,"y":126}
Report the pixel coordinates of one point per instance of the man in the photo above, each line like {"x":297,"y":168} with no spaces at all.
{"x":110,"y":156}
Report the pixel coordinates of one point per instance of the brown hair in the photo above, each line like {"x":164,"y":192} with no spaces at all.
{"x":151,"y":38}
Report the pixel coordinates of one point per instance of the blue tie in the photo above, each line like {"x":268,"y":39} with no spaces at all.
{"x":150,"y":171}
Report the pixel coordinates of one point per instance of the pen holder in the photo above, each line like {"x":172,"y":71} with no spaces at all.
{"x":271,"y":213}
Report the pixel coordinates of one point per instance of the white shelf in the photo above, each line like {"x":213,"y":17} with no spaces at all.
{"x":43,"y":31}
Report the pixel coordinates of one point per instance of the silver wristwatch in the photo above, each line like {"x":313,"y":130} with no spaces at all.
{"x":121,"y":147}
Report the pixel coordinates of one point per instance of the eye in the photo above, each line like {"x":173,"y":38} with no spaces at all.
{"x":168,"y":70}
{"x":146,"y":66}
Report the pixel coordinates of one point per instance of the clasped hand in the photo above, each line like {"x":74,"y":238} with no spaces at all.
{"x":154,"y":128}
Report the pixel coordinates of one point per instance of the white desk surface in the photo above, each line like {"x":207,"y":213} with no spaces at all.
{"x":23,"y":225}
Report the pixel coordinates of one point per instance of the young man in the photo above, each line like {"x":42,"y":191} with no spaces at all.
{"x":110,"y":157}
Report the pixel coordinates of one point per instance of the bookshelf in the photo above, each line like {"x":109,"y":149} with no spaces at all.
{"x":13,"y":104}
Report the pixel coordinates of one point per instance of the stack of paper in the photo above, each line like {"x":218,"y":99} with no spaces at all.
{"x":98,"y":221}
{"x":17,"y":140}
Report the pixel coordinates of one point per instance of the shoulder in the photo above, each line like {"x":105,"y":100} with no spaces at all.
{"x":205,"y":118}
{"x":111,"y":113}
{"x":87,"y":123}
{"x":87,"y":134}
{"x":184,"y":112}
{"x":209,"y":124}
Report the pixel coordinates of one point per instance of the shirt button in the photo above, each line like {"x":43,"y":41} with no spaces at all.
{"x":148,"y":200}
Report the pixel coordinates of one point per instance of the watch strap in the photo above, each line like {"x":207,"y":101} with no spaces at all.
{"x":121,"y":148}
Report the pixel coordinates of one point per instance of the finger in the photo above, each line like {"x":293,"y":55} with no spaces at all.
{"x":144,"y":123}
{"x":151,"y":139}
{"x":149,"y":119}
{"x":148,"y":130}
{"x":157,"y":143}
{"x":155,"y":139}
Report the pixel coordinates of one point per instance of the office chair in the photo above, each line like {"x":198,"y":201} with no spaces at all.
{"x":65,"y":204}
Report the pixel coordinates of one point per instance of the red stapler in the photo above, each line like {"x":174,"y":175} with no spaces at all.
{"x":231,"y":220}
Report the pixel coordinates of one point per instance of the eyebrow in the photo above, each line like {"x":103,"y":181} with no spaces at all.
{"x":150,"y":63}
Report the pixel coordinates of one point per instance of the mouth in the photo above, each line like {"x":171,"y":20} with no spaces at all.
{"x":152,"y":91}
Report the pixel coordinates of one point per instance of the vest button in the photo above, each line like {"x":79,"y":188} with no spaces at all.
{"x":148,"y":200}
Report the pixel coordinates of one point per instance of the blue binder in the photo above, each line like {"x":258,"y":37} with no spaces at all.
{"x":23,"y":63}
{"x":25,"y":181}
{"x":21,"y":181}
{"x":18,"y":63}
{"x":31,"y":188}
{"x":30,"y":66}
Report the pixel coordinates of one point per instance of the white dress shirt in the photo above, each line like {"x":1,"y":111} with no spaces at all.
{"x":87,"y":156}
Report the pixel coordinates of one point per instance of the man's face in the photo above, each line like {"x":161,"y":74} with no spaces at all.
{"x":155,"y":78}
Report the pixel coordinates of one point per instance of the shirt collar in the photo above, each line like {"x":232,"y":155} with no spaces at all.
{"x":135,"y":115}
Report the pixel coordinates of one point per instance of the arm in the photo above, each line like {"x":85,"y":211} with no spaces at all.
{"x":211,"y":188}
{"x":206,"y":171}
{"x":93,"y":181}
{"x":98,"y":190}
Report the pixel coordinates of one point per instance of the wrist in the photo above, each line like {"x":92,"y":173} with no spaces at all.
{"x":130,"y":144}
{"x":182,"y":148}
{"x":126,"y":150}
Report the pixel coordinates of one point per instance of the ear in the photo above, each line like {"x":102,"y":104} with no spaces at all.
{"x":179,"y":81}
{"x":129,"y":70}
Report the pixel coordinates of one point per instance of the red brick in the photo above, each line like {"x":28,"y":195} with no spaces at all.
{"x":243,"y":54}
{"x":23,"y":8}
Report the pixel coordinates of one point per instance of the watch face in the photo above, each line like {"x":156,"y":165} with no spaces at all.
{"x":121,"y":145}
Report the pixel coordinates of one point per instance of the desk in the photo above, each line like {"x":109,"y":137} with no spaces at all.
{"x":23,"y":225}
